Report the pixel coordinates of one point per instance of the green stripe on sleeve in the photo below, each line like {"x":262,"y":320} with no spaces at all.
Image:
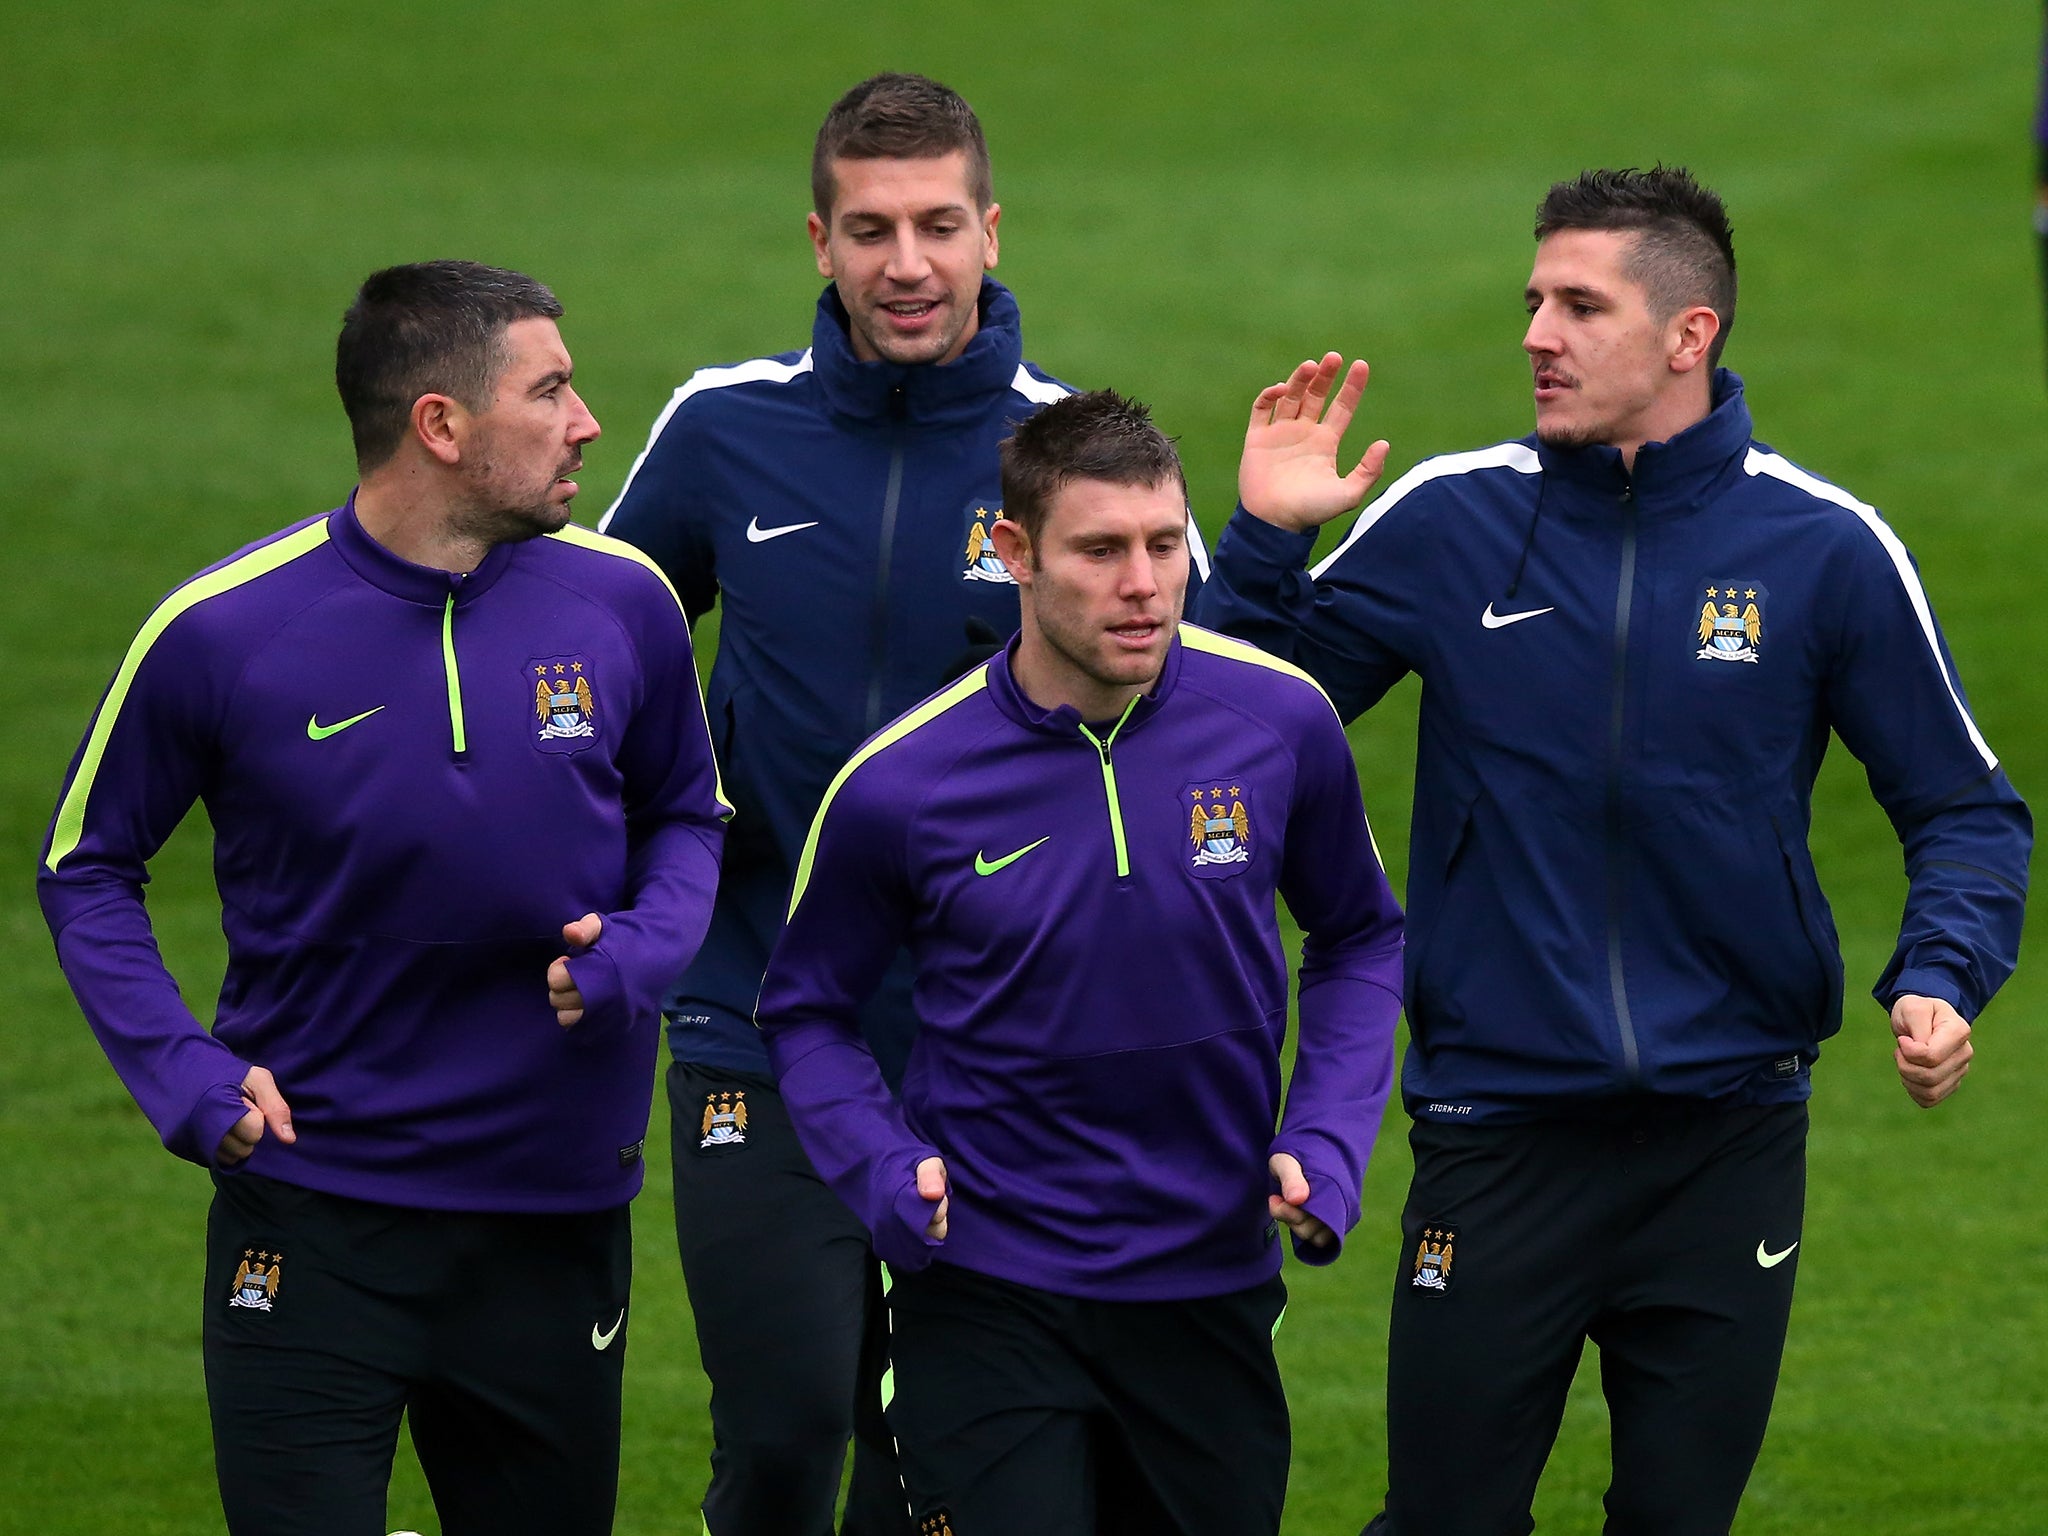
{"x":70,"y":828}
{"x":605,"y":544}
{"x":1206,"y":640}
{"x":919,"y":717}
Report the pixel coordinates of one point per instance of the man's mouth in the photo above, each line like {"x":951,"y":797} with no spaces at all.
{"x":910,"y":310}
{"x":1550,"y":382}
{"x":1136,"y":633}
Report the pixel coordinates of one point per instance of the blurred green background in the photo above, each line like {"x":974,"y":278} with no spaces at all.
{"x":1195,"y":197}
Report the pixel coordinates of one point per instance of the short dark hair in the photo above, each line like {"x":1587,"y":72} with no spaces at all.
{"x":1101,"y":435}
{"x":427,"y":328}
{"x":1684,"y":252}
{"x":899,"y":117}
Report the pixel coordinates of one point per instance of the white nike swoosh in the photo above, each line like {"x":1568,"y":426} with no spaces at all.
{"x":756,"y":534}
{"x":1494,"y":620}
{"x":1772,"y":1260}
{"x":603,"y":1340}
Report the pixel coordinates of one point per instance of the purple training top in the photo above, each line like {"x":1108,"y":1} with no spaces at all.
{"x":1100,"y":981}
{"x":415,"y":779}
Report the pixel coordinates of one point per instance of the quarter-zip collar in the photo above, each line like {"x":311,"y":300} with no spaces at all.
{"x":1066,"y":720}
{"x":1670,"y":477}
{"x":919,"y":394}
{"x":399,"y":576}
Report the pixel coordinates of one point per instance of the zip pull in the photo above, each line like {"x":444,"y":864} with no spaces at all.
{"x":1116,"y":809}
{"x":458,"y":736}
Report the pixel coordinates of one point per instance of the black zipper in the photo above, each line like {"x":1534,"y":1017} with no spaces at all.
{"x":878,"y":629}
{"x":1617,"y":861}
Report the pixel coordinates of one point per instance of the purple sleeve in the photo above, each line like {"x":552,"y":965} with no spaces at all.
{"x":1350,"y":993}
{"x":675,"y":826}
{"x":141,"y":766}
{"x":848,"y":917}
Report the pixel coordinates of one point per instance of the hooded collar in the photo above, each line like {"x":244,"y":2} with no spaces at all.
{"x":1066,"y":720}
{"x":1671,"y":476}
{"x":918,"y":394}
{"x":399,"y":576}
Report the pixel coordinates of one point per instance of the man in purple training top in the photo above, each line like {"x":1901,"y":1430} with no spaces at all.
{"x":467,"y":826}
{"x":1080,"y":1188}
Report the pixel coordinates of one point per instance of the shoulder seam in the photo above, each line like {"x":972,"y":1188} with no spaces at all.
{"x":1210,"y":643}
{"x":904,"y":725}
{"x":69,"y":827}
{"x":1759,"y":461}
{"x":1518,"y":456}
{"x":758,"y":370}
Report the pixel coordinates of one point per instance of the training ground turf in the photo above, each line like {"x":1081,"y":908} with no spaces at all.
{"x":1193,"y":202}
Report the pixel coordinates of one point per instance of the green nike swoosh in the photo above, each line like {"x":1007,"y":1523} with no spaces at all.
{"x":987,"y":866}
{"x":315,"y":731}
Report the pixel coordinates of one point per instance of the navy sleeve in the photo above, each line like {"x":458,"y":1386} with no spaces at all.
{"x":660,"y":509}
{"x":1897,"y":703}
{"x":1339,"y":629}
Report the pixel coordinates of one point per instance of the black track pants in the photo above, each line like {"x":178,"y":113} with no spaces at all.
{"x":502,"y":1338}
{"x":786,"y":1300}
{"x":1668,"y":1238}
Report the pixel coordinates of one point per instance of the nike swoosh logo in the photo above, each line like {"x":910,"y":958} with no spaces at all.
{"x":988,"y":866}
{"x":756,"y":534}
{"x":1494,"y":620}
{"x":1772,"y":1260}
{"x":315,"y":731}
{"x":603,"y":1340}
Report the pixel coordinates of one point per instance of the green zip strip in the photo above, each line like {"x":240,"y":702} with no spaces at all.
{"x":1116,"y":809}
{"x":454,"y":676}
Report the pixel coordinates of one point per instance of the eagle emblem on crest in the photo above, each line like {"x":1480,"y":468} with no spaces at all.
{"x":564,"y":703}
{"x":1431,"y":1270}
{"x":725,"y":1119}
{"x":1218,"y":816}
{"x":1731,"y":623}
{"x":983,"y":564}
{"x":256,"y":1280}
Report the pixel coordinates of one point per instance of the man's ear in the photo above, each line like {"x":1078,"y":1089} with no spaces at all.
{"x":989,"y":221}
{"x":820,"y":246}
{"x":1013,"y":548}
{"x":440,"y":424}
{"x":1692,"y":337}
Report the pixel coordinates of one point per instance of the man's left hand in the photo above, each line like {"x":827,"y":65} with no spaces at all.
{"x":1934,"y":1048}
{"x":562,"y":994}
{"x":1289,"y":1206}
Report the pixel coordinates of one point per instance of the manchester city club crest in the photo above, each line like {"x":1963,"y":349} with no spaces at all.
{"x":981,"y":562}
{"x":725,"y":1120}
{"x":256,"y":1280}
{"x":1218,"y":817}
{"x":1731,"y":622}
{"x":564,"y":703}
{"x":1431,"y":1270}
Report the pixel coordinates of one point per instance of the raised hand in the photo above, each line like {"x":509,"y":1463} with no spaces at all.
{"x":1288,"y":476}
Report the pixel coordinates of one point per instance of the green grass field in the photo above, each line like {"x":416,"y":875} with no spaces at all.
{"x":1195,"y":198}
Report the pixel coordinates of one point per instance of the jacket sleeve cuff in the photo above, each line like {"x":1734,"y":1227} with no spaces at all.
{"x":216,"y":1113}
{"x":596,"y":975}
{"x":1326,"y":1203}
{"x":1268,"y":544}
{"x":900,"y":1242}
{"x":1927,"y":983}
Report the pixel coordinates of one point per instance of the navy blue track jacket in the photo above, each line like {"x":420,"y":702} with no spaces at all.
{"x":1628,"y":685}
{"x":838,"y":512}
